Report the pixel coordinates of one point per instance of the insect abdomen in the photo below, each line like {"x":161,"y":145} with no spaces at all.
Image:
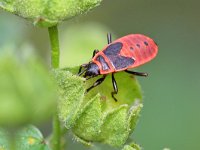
{"x":140,"y":47}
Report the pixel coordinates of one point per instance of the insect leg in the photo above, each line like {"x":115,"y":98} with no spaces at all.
{"x":144,"y":74}
{"x":109,"y":38}
{"x":95,"y":52}
{"x":114,"y":87}
{"x":99,"y":81}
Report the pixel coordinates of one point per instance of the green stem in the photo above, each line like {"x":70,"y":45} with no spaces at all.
{"x":55,"y":50}
{"x":55,"y":54}
{"x":56,"y":139}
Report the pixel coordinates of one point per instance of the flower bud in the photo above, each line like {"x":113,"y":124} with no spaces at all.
{"x":96,"y":116}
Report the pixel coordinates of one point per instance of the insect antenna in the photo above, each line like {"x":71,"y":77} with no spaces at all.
{"x":85,"y":66}
{"x":80,"y":73}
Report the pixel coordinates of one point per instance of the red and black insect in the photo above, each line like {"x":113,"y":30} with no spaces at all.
{"x":124,"y":53}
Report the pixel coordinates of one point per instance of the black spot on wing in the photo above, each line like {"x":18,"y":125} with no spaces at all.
{"x":145,"y":43}
{"x":121,"y":62}
{"x":113,"y":49}
{"x":131,"y":48}
{"x":103,"y":62}
{"x":138,"y":45}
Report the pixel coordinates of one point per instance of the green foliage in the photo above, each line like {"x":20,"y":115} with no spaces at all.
{"x":96,"y":117}
{"x":30,"y":138}
{"x":50,"y":12}
{"x":89,"y":120}
{"x":114,"y":130}
{"x":71,"y":93}
{"x":27,"y":93}
{"x":27,"y":138}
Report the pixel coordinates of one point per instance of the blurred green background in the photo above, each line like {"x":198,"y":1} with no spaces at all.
{"x":170,"y":117}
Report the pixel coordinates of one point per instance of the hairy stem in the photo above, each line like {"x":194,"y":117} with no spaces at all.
{"x":55,"y":54}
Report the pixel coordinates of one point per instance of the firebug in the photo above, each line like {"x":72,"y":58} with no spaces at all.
{"x":122,"y":54}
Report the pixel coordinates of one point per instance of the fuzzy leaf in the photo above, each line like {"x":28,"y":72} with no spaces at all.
{"x":98,"y":118}
{"x":114,"y":128}
{"x":50,"y":12}
{"x":83,"y":141}
{"x":134,"y":115}
{"x":30,"y":138}
{"x":89,"y":120}
{"x":71,"y":91}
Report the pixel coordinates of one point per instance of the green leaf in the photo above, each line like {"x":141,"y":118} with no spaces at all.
{"x":134,"y":114}
{"x":27,"y":91}
{"x":30,"y":138}
{"x":83,"y":141}
{"x":89,"y":120}
{"x":114,"y":128}
{"x":129,"y":91}
{"x":50,"y":12}
{"x":71,"y":91}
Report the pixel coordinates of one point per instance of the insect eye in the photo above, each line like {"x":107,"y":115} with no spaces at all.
{"x":145,"y":43}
